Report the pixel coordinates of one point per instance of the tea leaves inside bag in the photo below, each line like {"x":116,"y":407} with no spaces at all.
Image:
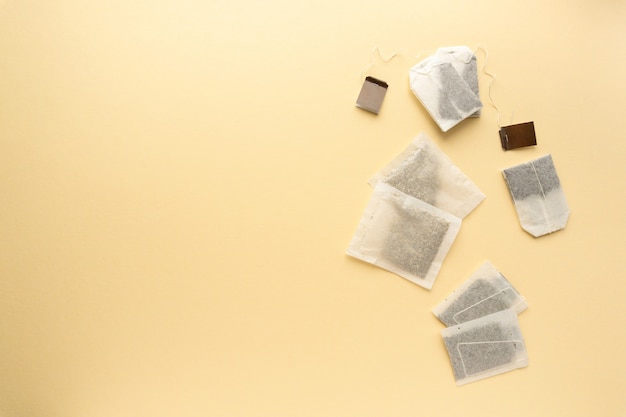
{"x":538,"y":196}
{"x":485,"y":347}
{"x":423,"y":171}
{"x":485,"y":292}
{"x":414,"y":240}
{"x":404,"y":235}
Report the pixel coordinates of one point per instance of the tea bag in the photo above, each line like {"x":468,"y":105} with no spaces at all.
{"x":423,"y":171}
{"x":443,"y":92}
{"x":463,"y":60}
{"x":485,"y":292}
{"x":538,"y":197}
{"x":404,"y":235}
{"x":485,"y":347}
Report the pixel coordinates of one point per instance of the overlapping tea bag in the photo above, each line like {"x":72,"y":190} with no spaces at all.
{"x":538,"y":196}
{"x":463,"y":60}
{"x":442,"y":90}
{"x":485,"y":347}
{"x":423,"y":171}
{"x":404,"y":235}
{"x":485,"y":292}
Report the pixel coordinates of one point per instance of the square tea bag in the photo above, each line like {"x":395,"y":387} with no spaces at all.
{"x":486,"y":292}
{"x":423,"y":171}
{"x":404,"y":235}
{"x":443,"y":92}
{"x":485,"y":347}
{"x":464,"y":62}
{"x":538,"y":197}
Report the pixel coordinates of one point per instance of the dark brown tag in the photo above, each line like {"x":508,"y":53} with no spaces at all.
{"x":518,"y":136}
{"x":372,"y":95}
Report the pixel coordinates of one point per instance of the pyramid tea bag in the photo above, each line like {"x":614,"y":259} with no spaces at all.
{"x":485,"y":347}
{"x":423,"y":171}
{"x":463,"y":60}
{"x":404,"y":235}
{"x":538,"y":197}
{"x":485,"y":292}
{"x":443,"y":92}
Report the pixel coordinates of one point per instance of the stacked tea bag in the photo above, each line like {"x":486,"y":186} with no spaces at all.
{"x":415,"y":213}
{"x":483,"y":337}
{"x":404,"y":235}
{"x":446,"y":83}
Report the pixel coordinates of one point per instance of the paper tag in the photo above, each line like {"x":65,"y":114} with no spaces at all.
{"x":518,"y":136}
{"x":372,"y":95}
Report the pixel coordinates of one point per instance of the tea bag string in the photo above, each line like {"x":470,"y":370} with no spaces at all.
{"x":493,"y":78}
{"x":376,"y":52}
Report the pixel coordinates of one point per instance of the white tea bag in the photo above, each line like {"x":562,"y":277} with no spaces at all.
{"x":404,"y":235}
{"x":443,"y":92}
{"x":538,"y":197}
{"x":463,"y":60}
{"x":423,"y":171}
{"x":485,"y":347}
{"x":486,"y":292}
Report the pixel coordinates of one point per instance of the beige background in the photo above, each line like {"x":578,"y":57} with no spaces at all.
{"x":179,"y":180}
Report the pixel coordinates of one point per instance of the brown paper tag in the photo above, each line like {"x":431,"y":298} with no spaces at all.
{"x":518,"y":136}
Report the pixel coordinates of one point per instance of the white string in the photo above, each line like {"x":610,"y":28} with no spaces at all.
{"x":493,"y":78}
{"x":376,"y":52}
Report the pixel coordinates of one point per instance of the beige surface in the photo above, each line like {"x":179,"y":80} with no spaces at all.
{"x":179,"y":181}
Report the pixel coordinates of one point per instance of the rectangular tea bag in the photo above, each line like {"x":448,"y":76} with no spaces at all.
{"x":485,"y":347}
{"x":485,"y":292}
{"x":443,"y":92}
{"x":464,"y":62}
{"x":538,"y":197}
{"x":404,"y":235}
{"x":423,"y":171}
